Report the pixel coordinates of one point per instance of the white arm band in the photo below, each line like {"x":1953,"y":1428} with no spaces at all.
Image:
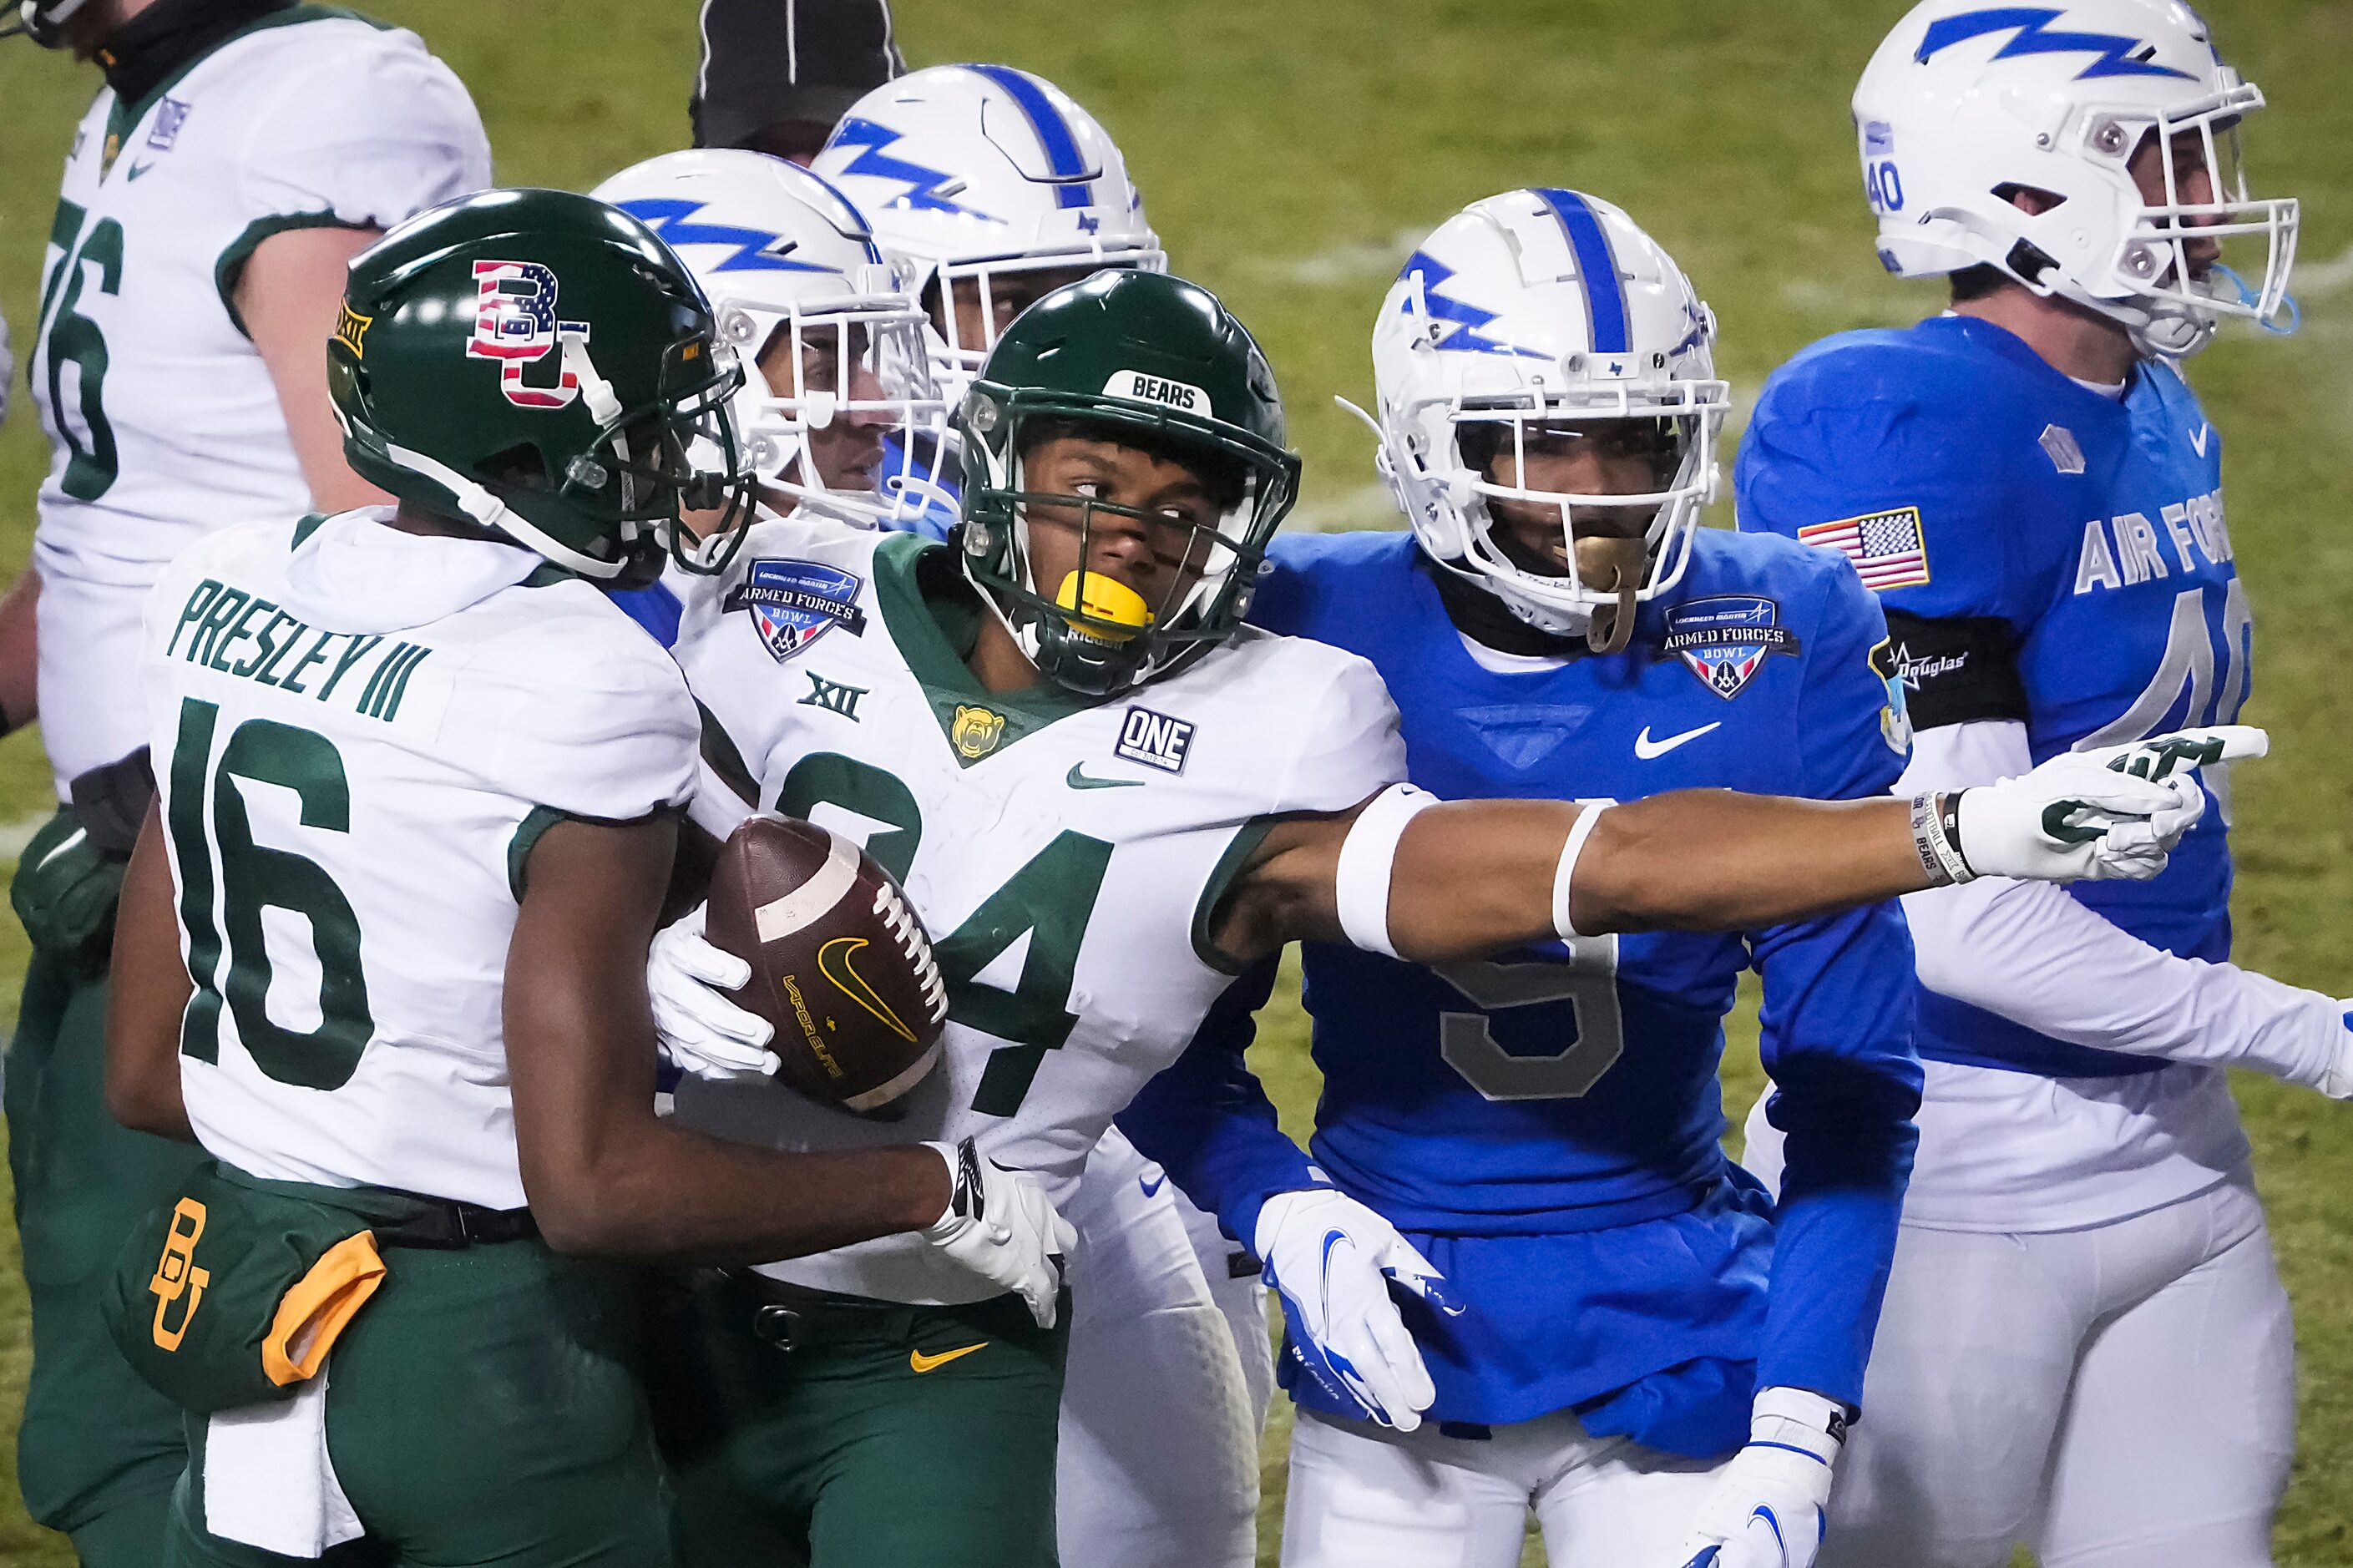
{"x":1579,"y":831}
{"x":1367,"y":861}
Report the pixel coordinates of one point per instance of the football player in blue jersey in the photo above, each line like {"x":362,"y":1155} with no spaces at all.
{"x":1645,"y":1353}
{"x":2085,"y":1348}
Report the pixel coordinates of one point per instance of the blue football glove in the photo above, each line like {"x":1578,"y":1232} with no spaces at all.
{"x":1332,"y":1259}
{"x":1765,"y":1509}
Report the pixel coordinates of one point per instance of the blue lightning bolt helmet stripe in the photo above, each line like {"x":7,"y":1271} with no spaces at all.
{"x":2031,"y":25}
{"x":1464,"y":318}
{"x":922,"y":191}
{"x":1597,"y":268}
{"x":1054,"y":136}
{"x":669,"y":217}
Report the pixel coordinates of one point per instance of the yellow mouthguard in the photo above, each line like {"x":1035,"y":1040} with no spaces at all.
{"x":1106,"y":600}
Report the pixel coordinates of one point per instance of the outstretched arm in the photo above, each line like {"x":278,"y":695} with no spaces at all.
{"x":1435,"y":882}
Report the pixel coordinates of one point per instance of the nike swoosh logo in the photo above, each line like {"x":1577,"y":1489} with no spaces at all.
{"x":833,"y":963}
{"x":136,"y":170}
{"x":921,"y":1362}
{"x":2197,"y":441}
{"x":1646,"y":748}
{"x":1152,"y":1185}
{"x":1079,"y":780}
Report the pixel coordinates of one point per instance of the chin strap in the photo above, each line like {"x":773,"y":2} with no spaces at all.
{"x":1612,"y":566}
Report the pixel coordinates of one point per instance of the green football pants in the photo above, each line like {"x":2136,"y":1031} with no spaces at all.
{"x":482,"y":1408}
{"x":832,"y":1432}
{"x":98,"y":1452}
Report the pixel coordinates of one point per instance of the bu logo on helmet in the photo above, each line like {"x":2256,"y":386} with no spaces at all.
{"x":515,"y":323}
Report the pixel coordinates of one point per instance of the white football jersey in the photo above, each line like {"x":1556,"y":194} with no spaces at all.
{"x":359,"y":733}
{"x":1064,"y":856}
{"x":162,"y":420}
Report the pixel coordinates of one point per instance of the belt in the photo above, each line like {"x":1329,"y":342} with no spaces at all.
{"x":445,"y":1224}
{"x":404,"y":1218}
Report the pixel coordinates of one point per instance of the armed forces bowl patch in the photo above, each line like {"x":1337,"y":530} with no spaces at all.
{"x":1725,"y":639}
{"x":794,"y":602}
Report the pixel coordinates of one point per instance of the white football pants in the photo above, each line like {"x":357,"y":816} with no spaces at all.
{"x":1158,"y":1464}
{"x":1365,"y":1497}
{"x":1240,"y":1295}
{"x":2119,"y":1397}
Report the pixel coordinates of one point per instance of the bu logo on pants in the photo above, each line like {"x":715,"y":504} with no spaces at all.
{"x":176,"y":1273}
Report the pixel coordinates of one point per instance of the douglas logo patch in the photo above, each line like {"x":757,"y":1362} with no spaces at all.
{"x":1725,"y":639}
{"x":794,"y":602}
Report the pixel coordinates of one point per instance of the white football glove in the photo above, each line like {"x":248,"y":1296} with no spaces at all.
{"x":2115,"y":812}
{"x":1000,"y":1224}
{"x":1333,"y":1260}
{"x":1765,"y":1507}
{"x":700,"y":1029}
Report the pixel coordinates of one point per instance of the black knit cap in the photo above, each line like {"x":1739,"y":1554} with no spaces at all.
{"x":777,"y":75}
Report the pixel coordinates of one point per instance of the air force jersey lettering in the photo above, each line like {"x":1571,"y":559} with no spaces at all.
{"x":2075,"y":575}
{"x":1065,"y":856}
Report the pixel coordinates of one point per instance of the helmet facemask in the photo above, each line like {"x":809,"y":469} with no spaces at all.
{"x":2182,"y":289}
{"x":644,"y":465}
{"x":1450,"y":456}
{"x":864,"y":362}
{"x":43,"y":21}
{"x":954,"y":362}
{"x":1091,"y":633}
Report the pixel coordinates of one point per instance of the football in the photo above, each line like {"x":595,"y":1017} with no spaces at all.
{"x":840,"y":964}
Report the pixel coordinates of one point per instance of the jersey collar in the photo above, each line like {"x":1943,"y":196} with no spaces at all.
{"x":933,"y":620}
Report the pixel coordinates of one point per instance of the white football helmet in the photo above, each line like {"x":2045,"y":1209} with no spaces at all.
{"x":778,"y":251}
{"x":1546,"y":311}
{"x":1964,"y":105}
{"x":975,"y":171}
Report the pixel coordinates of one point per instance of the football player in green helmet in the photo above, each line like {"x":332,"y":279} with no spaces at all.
{"x":474,"y":765}
{"x":1105,"y":795}
{"x":1123,"y":371}
{"x":607,"y":375}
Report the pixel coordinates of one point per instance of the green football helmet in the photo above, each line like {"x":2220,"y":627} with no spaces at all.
{"x":1123,"y":354}
{"x":538,"y":363}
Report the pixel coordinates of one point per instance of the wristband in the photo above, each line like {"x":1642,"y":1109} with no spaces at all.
{"x":1574,"y":846}
{"x":1935,"y":838}
{"x":1360,"y":885}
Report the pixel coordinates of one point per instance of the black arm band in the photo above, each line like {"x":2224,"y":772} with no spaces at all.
{"x":1956,"y":671}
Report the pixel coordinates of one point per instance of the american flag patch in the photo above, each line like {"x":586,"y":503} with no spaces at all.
{"x":1885,"y":547}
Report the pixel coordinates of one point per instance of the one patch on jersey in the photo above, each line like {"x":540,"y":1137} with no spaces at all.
{"x":1181,"y":395}
{"x":1156,"y":740}
{"x":794,"y":602}
{"x":170,"y":115}
{"x":1724,"y":638}
{"x":2059,"y":445}
{"x":1886,"y":549}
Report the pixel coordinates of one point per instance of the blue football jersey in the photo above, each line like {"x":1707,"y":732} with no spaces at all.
{"x":2045,"y":554}
{"x":1547,"y":1125}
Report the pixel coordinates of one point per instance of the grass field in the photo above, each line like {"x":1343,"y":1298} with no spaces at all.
{"x":1289,"y":154}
